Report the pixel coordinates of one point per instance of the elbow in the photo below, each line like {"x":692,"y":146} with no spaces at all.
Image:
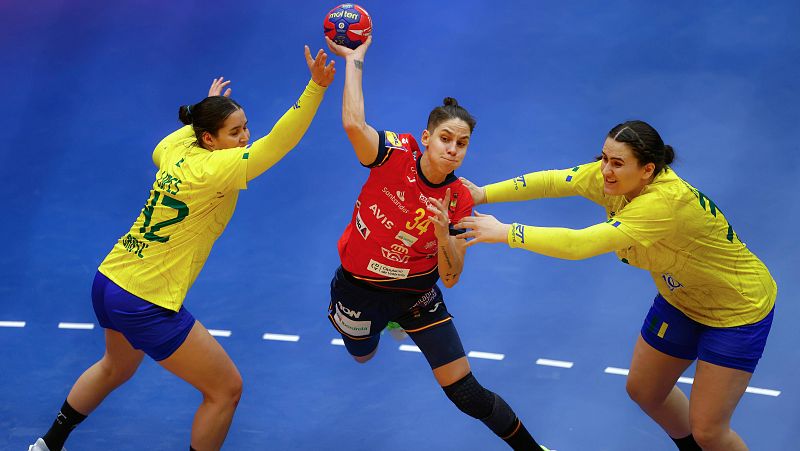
{"x":352,"y":125}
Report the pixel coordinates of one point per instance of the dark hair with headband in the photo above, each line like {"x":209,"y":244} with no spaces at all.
{"x":449,"y":110}
{"x":645,"y":143}
{"x":208,"y":115}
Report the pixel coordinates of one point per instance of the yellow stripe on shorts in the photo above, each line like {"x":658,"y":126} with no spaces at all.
{"x":662,"y":330}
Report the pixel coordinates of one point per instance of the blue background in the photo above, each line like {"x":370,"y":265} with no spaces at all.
{"x":92,"y":86}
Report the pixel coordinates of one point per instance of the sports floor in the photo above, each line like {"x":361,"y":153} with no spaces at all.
{"x":90,"y":87}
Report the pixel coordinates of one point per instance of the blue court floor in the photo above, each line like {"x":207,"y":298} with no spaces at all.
{"x":90,"y":87}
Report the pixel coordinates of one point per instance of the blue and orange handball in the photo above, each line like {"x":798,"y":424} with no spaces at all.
{"x":348,"y":25}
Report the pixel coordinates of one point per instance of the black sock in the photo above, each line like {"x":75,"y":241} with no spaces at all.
{"x":518,"y":438}
{"x":687,"y":443}
{"x":66,"y":420}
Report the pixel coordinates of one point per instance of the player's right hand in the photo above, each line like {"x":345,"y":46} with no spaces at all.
{"x":345,"y":52}
{"x":478,"y":192}
{"x":217,"y":86}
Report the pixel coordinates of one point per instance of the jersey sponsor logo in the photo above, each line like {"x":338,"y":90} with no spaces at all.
{"x":435,"y":307}
{"x":406,"y":238}
{"x":672,"y":284}
{"x":398,"y":253}
{"x":380,"y":216}
{"x":362,"y":228}
{"x":392,"y":140}
{"x":401,"y":195}
{"x":386,"y":270}
{"x":397,"y":202}
{"x":453,"y":203}
{"x":351,"y":313}
{"x":430,"y":244}
{"x":351,"y":326}
{"x":426,"y":299}
{"x":411,"y":179}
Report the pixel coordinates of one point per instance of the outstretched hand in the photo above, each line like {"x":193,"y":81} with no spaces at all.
{"x":482,"y":229}
{"x":478,"y":193}
{"x":344,"y":52}
{"x":217,"y":86}
{"x":321,"y":73}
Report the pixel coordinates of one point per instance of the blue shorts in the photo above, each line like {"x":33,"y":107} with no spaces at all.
{"x":668,"y":330}
{"x":360,"y":312}
{"x":154,"y":329}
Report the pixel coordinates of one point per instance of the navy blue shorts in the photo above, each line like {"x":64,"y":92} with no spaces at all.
{"x":668,"y":330}
{"x":360,"y":312}
{"x":154,"y":329}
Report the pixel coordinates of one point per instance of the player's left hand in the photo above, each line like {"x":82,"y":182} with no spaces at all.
{"x":482,"y":229}
{"x":439,"y":216}
{"x":217,"y":86}
{"x":321,"y":73}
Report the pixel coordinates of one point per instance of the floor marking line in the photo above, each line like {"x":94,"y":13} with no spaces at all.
{"x":219,"y":333}
{"x":556,"y":363}
{"x":81,"y":326}
{"x":409,"y":348}
{"x":690,"y":381}
{"x":280,"y":337}
{"x":12,"y":323}
{"x":486,"y":355}
{"x":337,"y":342}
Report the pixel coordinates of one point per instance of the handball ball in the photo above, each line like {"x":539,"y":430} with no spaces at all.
{"x":348,"y":25}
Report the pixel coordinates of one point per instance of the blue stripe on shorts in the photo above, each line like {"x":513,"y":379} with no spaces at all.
{"x":669,"y":331}
{"x":157,"y":331}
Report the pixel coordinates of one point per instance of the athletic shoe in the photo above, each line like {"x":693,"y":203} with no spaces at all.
{"x":40,"y":445}
{"x":396,"y":331}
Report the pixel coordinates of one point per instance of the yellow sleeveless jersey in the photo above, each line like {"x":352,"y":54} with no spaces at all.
{"x":191,"y":201}
{"x":682,"y":238}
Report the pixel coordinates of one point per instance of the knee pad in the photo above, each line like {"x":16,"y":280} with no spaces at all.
{"x":471,"y":398}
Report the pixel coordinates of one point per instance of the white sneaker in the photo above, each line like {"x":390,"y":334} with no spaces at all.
{"x":40,"y":445}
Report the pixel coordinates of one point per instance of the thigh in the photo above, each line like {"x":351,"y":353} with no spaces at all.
{"x":441,"y":346}
{"x":202,"y":362}
{"x":738,"y":347}
{"x":652,"y":372}
{"x":358,"y":313}
{"x":120,"y":353}
{"x":715,"y":393}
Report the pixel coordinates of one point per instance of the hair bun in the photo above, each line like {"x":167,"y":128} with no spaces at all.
{"x":185,"y":114}
{"x":449,"y":101}
{"x":669,"y":154}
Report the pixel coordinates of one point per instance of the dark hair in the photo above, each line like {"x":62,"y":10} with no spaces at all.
{"x":208,"y":115}
{"x":449,"y":110}
{"x":645,"y":142}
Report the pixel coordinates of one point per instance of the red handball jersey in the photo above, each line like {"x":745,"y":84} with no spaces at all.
{"x":390,"y":242}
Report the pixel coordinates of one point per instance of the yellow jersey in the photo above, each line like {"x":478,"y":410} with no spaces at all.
{"x":679,"y":235}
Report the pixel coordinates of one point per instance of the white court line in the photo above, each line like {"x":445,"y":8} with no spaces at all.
{"x":83,"y":326}
{"x":280,"y":337}
{"x":409,"y":348}
{"x":219,"y":333}
{"x":486,"y":355}
{"x":619,"y":371}
{"x":556,"y":363}
{"x":689,"y":380}
{"x":337,"y":342}
{"x":12,"y":323}
{"x":762,"y":391}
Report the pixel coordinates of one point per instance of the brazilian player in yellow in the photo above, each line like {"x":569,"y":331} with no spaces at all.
{"x":139,"y":288}
{"x":715,"y":298}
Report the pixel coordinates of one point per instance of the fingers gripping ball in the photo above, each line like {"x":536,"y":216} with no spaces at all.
{"x":348,"y":25}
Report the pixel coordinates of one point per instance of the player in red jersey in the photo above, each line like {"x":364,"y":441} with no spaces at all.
{"x":399,"y":243}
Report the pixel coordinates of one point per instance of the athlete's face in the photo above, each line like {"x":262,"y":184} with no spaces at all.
{"x":446,"y":146}
{"x":622,"y":174}
{"x":233,"y":133}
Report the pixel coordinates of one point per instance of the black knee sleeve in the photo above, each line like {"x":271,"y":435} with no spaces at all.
{"x":471,"y":398}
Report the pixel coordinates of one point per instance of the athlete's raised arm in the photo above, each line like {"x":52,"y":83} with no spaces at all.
{"x":362,"y":136}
